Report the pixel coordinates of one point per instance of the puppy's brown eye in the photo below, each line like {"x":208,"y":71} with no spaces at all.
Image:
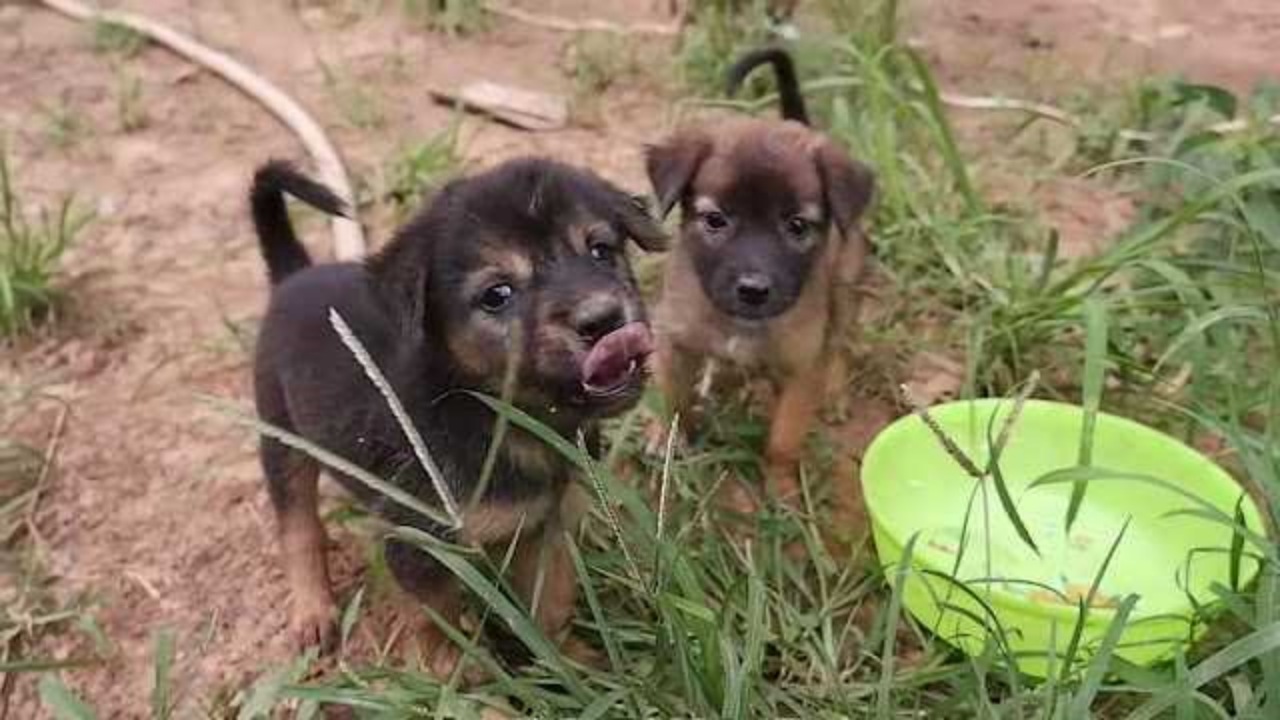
{"x":797,"y":226}
{"x":603,"y":253}
{"x":714,"y":221}
{"x":496,"y":298}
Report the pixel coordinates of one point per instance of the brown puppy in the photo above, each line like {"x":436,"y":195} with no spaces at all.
{"x":769,"y":244}
{"x":513,"y":280}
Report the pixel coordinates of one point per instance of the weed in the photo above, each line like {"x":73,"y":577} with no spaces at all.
{"x":719,"y":32}
{"x":417,"y":169}
{"x":596,"y":61}
{"x":359,"y":102}
{"x":452,"y":17}
{"x":65,"y":125}
{"x":115,"y":39}
{"x":131,"y":112}
{"x":30,"y":252}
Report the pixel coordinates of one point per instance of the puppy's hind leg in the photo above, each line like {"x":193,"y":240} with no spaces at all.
{"x":292,"y":480}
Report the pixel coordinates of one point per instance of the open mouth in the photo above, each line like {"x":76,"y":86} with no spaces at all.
{"x":616,"y":361}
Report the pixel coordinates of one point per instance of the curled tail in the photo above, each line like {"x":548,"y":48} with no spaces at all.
{"x":281,"y":248}
{"x":789,"y":96}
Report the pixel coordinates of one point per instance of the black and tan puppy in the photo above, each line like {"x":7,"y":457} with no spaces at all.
{"x":522,"y":268}
{"x":769,"y":244}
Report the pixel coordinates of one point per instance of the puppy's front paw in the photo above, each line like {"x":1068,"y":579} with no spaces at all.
{"x":445,"y":657}
{"x":735,"y":495}
{"x":781,"y":479}
{"x":313,"y":623}
{"x":444,"y":662}
{"x":657,"y":435}
{"x":583,"y":654}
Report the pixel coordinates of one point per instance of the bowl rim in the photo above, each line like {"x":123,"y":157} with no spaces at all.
{"x":929,"y":559}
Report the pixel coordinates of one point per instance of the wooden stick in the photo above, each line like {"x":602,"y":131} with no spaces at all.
{"x":348,"y":236}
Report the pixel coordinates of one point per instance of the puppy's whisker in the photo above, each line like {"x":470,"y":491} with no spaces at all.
{"x":411,"y":433}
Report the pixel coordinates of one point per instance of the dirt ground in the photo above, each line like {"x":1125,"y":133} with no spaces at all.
{"x":156,"y":509}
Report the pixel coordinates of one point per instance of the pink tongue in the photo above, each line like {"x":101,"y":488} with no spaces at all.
{"x":608,"y":362}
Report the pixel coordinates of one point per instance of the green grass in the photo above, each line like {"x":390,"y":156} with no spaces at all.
{"x":116,"y":40}
{"x":595,"y":62}
{"x":717,"y":34}
{"x":452,"y":17}
{"x":131,"y":109}
{"x":415,"y":170}
{"x":65,"y":125}
{"x":31,"y":248}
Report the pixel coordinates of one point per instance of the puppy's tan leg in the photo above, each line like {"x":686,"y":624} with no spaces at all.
{"x":430,"y":584}
{"x":798,"y":403}
{"x":542,"y":573}
{"x":542,"y":570}
{"x":676,"y":372}
{"x":293,"y":481}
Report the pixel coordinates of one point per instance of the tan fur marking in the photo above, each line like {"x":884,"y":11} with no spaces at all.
{"x":542,"y":570}
{"x":302,"y":553}
{"x":490,"y":522}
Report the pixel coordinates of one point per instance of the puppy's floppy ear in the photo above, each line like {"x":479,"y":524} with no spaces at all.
{"x":633,"y":214}
{"x":399,"y":275}
{"x":849,"y":185}
{"x":672,"y":165}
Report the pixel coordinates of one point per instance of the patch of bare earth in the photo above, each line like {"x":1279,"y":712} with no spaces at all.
{"x":157,"y":507}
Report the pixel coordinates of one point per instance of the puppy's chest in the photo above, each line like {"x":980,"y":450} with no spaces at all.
{"x":528,"y":482}
{"x":521,"y":485}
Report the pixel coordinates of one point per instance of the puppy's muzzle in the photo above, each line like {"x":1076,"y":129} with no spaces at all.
{"x":617,"y":346}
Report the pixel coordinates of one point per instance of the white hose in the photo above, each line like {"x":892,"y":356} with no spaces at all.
{"x":348,"y":237}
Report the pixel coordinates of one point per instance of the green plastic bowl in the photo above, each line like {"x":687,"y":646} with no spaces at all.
{"x":914,"y":488}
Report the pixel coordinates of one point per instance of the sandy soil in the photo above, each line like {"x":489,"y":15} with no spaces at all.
{"x":156,"y":508}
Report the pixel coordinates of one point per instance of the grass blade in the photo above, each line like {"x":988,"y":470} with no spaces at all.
{"x":1086,"y":605}
{"x":516,"y":619}
{"x":332,"y":461}
{"x":942,"y":128}
{"x":535,"y":427}
{"x":1101,"y":660}
{"x":608,"y":636}
{"x":1255,"y":644}
{"x":61,"y":702}
{"x":1237,"y":547}
{"x":350,"y":614}
{"x":411,"y":433}
{"x":884,"y":686}
{"x":1206,"y":322}
{"x":1095,"y":360}
{"x":162,"y":700}
{"x":737,"y":700}
{"x":997,"y":476}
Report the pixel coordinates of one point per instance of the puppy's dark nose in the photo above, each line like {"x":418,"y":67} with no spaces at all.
{"x":596,"y":317}
{"x":753,"y":289}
